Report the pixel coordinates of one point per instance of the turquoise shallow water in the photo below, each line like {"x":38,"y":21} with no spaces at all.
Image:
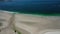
{"x":36,"y":14}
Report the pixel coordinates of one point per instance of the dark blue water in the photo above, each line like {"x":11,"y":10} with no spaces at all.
{"x":32,"y":6}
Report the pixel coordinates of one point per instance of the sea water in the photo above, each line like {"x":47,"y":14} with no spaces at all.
{"x":32,"y":6}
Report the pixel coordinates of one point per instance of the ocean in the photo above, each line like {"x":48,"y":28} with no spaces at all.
{"x":32,"y":7}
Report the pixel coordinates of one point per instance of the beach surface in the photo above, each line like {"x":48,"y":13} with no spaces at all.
{"x":30,"y":24}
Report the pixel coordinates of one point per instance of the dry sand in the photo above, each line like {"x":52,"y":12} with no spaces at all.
{"x":30,"y":24}
{"x":36,"y":24}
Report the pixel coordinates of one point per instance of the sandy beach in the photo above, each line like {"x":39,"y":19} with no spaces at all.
{"x":30,"y":24}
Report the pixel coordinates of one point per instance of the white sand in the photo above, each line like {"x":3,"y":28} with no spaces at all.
{"x":29,"y":24}
{"x":36,"y":24}
{"x":6,"y":25}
